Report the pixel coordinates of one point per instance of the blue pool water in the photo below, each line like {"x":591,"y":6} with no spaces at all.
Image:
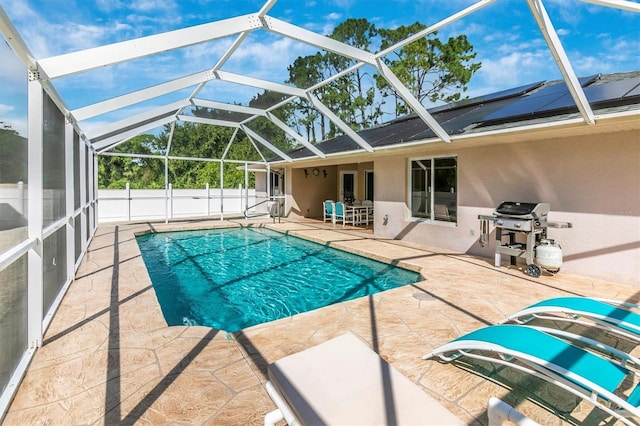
{"x":234,"y":278}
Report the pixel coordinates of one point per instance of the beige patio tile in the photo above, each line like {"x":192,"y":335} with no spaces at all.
{"x":47,"y":414}
{"x":238,"y":376}
{"x":188,"y":397}
{"x":247,"y":407}
{"x":149,"y":373}
{"x":80,"y":339}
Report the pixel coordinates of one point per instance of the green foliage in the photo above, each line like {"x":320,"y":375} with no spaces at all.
{"x":433,"y":70}
{"x":141,"y":172}
{"x":13,"y":155}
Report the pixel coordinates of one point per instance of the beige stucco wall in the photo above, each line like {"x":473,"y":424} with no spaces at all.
{"x":306,"y":194}
{"x":592,"y":182}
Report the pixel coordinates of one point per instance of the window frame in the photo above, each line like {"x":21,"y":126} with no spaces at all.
{"x":431,"y":216}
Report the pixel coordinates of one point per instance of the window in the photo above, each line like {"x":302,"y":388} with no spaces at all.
{"x":434,"y":190}
{"x":368,"y":185}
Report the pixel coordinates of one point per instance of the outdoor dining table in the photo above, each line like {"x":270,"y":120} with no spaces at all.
{"x":358,"y":214}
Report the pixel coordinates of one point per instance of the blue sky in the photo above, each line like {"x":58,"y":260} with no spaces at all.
{"x":504,"y":34}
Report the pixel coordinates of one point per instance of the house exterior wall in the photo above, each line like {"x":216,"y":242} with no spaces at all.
{"x":592,"y":182}
{"x":305,"y":194}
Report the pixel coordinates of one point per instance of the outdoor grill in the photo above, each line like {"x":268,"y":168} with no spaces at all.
{"x":525,"y":227}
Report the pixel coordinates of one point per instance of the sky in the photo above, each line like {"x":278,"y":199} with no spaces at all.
{"x":504,"y":34}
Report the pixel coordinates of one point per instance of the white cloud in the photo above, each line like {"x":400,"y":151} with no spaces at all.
{"x":5,"y":109}
{"x":16,"y":122}
{"x":12,"y":71}
{"x":515,"y":69}
{"x":269,"y":58}
{"x":45,"y":38}
{"x":152,"y":5}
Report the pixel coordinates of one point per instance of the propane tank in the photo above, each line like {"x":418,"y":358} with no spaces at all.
{"x":549,"y":255}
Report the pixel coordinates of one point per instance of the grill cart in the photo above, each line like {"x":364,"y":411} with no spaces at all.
{"x":530,"y":220}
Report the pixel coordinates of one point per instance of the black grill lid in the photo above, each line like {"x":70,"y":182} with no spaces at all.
{"x":513,"y":208}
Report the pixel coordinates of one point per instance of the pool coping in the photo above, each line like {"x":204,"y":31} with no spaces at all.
{"x":109,"y":357}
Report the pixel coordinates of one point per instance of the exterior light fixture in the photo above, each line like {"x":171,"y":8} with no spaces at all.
{"x":315,"y":171}
{"x":324,"y":172}
{"x":306,"y":173}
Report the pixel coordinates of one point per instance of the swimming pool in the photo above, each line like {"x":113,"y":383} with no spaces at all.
{"x":233,"y":278}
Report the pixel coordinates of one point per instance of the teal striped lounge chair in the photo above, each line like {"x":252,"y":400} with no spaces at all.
{"x":582,"y":373}
{"x":611,"y":316}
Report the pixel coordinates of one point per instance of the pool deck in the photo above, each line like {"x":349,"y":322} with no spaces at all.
{"x":109,"y":357}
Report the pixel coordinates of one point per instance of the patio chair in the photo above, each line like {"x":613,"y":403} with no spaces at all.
{"x":341,"y":213}
{"x":327,"y":209}
{"x":369,"y":204}
{"x":611,"y":316}
{"x":588,"y":376}
{"x":342,"y":381}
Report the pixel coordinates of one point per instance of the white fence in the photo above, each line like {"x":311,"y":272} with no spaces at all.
{"x":115,"y":205}
{"x":15,"y":196}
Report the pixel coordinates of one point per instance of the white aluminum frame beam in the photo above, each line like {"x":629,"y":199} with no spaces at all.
{"x":211,"y":121}
{"x":146,"y":94}
{"x":254,"y":147}
{"x":15,"y":40}
{"x":435,"y":27}
{"x":411,"y":100}
{"x":250,"y":133}
{"x":294,"y":91}
{"x":289,"y":131}
{"x":308,"y":37}
{"x":618,"y":4}
{"x":238,"y":41}
{"x":170,"y":141}
{"x":338,"y":122}
{"x":551,"y":37}
{"x":255,"y":112}
{"x":20,"y":48}
{"x":35,"y":209}
{"x":260,"y":84}
{"x":124,"y":136}
{"x":172,"y":108}
{"x":264,"y":142}
{"x":231,"y":139}
{"x":88,"y":59}
{"x":234,"y":46}
{"x":229,"y":107}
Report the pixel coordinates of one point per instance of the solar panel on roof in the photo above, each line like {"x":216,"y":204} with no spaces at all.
{"x":633,"y":92}
{"x":491,"y":97}
{"x":511,"y":92}
{"x":527,"y":105}
{"x":597,"y":93}
{"x":555,"y":94}
{"x":612,"y":90}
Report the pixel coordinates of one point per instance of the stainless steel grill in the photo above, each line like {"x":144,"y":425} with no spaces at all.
{"x":527,"y":220}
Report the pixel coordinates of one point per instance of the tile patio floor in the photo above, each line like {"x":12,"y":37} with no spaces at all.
{"x":109,"y":357}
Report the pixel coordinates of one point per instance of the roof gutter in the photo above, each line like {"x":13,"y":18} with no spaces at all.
{"x":578,"y":121}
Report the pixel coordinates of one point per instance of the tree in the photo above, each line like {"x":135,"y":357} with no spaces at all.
{"x":431,"y":69}
{"x":359,"y":110}
{"x":114,"y":172}
{"x":305,"y":72}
